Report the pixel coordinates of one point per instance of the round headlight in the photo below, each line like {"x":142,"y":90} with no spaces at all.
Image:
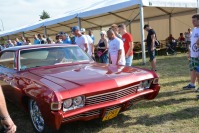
{"x":77,"y":100}
{"x":68,"y":103}
{"x":145,"y":83}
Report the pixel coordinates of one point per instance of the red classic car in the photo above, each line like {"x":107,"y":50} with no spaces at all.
{"x":59,"y":84}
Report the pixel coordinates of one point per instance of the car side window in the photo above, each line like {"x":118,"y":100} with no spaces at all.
{"x":7,"y":59}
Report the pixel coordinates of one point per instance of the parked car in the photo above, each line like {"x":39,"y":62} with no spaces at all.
{"x":59,"y":84}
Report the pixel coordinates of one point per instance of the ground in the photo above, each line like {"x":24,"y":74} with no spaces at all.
{"x":174,"y":110}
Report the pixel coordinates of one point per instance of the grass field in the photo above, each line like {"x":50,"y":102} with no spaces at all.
{"x":174,"y":110}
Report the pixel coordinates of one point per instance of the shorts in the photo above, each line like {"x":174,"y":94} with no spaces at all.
{"x":194,"y":64}
{"x":151,"y":54}
{"x":197,"y":69}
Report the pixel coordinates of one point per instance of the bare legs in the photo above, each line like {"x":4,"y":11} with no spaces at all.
{"x":153,"y":64}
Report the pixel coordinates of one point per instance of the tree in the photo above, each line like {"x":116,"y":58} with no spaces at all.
{"x":44,"y":15}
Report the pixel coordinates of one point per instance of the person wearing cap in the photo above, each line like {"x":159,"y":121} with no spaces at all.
{"x":103,"y":48}
{"x":80,"y":40}
{"x":91,"y":47}
{"x":114,"y":27}
{"x":128,"y":44}
{"x":65,"y":38}
{"x":116,"y":49}
{"x":5,"y":119}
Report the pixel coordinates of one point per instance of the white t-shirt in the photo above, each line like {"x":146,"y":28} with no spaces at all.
{"x":90,"y":42}
{"x":188,"y":36}
{"x":81,"y":41}
{"x":193,"y":47}
{"x":115,"y":45}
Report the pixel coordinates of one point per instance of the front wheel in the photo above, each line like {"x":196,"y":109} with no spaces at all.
{"x":37,"y":118}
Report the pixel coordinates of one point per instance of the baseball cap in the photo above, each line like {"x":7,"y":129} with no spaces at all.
{"x":63,"y":33}
{"x":103,"y":32}
{"x":83,"y":30}
{"x":75,"y":28}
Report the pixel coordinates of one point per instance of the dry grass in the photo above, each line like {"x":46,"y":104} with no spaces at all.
{"x":174,"y":110}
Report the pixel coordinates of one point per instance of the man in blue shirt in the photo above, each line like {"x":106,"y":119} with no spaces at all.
{"x":65,"y":38}
{"x":18,"y":42}
{"x":36,"y":40}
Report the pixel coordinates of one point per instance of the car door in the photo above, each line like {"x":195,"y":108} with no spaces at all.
{"x":7,"y":71}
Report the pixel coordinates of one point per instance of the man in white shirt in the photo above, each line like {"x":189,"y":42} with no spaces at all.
{"x":91,"y":47}
{"x":116,"y":49}
{"x":193,"y":54}
{"x":80,"y":40}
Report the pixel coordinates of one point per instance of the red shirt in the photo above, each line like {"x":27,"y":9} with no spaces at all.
{"x":181,"y":39}
{"x":127,"y":38}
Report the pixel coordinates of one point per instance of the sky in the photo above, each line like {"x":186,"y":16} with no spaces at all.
{"x":16,"y":13}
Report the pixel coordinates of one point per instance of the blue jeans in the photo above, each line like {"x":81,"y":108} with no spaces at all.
{"x":104,"y":58}
{"x":129,"y":60}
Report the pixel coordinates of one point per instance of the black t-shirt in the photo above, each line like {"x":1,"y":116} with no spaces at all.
{"x":149,"y":40}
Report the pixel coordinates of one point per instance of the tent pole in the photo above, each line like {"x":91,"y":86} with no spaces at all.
{"x":23,"y":34}
{"x":142,"y":34}
{"x":197,"y":6}
{"x":45,"y":31}
{"x":170,"y":24}
{"x":79,"y":22}
{"x":130,"y":29}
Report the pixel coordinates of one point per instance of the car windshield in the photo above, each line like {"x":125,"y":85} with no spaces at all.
{"x":51,"y":56}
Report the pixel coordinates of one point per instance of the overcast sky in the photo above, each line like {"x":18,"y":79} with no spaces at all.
{"x":16,"y":13}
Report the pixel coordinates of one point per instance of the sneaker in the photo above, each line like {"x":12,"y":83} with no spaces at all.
{"x":197,"y":90}
{"x":188,"y":87}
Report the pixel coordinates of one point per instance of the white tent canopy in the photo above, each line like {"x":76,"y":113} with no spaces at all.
{"x":103,"y":13}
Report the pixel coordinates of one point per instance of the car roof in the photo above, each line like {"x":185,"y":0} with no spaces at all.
{"x":16,"y":48}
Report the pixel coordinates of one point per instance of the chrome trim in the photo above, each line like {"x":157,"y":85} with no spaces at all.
{"x":86,"y":114}
{"x":113,"y":91}
{"x":155,"y":79}
{"x":110,"y":96}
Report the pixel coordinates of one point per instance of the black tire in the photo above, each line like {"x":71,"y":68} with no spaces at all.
{"x":36,"y":118}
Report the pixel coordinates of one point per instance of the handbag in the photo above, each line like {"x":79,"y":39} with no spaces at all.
{"x":157,"y":43}
{"x":99,"y":53}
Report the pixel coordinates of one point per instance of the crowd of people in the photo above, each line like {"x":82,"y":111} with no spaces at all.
{"x":115,"y":47}
{"x":111,"y":48}
{"x":183,"y":42}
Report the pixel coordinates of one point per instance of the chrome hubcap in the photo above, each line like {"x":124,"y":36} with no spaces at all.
{"x":36,"y":116}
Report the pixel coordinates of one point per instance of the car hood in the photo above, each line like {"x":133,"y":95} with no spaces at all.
{"x":88,"y":78}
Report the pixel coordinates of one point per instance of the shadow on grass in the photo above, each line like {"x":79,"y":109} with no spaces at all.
{"x":151,"y":104}
{"x":188,"y":113}
{"x":174,"y":83}
{"x":173,"y":93}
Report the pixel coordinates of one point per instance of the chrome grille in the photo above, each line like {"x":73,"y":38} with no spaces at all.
{"x":114,"y":95}
{"x":87,"y":114}
{"x":113,"y":107}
